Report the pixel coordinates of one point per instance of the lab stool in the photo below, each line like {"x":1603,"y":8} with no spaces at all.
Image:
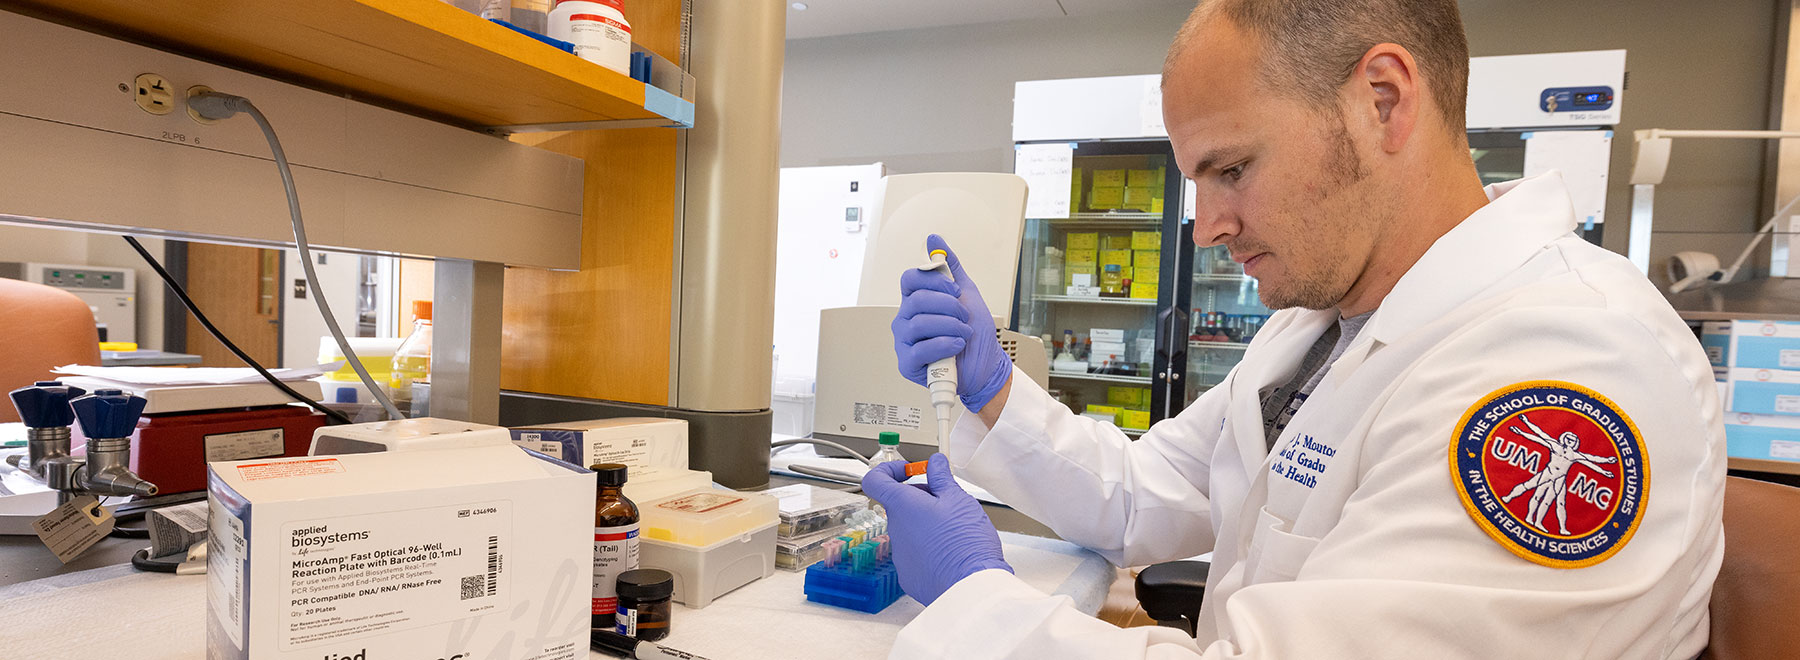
{"x":1171,"y":592}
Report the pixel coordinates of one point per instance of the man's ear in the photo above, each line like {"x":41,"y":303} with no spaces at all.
{"x":1386,"y":89}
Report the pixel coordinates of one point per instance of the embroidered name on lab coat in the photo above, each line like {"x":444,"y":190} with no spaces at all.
{"x":1303,"y":460}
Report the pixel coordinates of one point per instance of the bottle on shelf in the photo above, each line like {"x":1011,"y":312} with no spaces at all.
{"x":890,"y":449}
{"x":412,"y":361}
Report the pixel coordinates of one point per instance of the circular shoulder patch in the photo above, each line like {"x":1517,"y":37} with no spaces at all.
{"x":1552,"y":471}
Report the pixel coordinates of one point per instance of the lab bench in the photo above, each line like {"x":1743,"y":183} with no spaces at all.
{"x":159,"y":615}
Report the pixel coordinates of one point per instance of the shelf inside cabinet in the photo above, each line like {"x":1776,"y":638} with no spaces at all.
{"x":427,"y":58}
{"x":1219,"y":345}
{"x":1208,"y":277}
{"x":1108,"y":221}
{"x":1130,"y":302}
{"x":1103,"y":378}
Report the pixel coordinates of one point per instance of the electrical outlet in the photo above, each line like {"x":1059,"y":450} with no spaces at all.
{"x":154,"y":94}
{"x":192,"y":92}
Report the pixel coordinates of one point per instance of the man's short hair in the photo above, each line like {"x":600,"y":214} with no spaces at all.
{"x":1311,"y":46}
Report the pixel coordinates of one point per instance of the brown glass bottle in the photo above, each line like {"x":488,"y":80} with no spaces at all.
{"x":615,"y":540}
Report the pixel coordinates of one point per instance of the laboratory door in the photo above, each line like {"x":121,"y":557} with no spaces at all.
{"x":239,"y":290}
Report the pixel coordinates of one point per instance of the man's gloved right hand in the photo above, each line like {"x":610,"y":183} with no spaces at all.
{"x":945,"y":316}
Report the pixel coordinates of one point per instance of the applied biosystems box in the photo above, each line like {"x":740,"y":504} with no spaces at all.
{"x":478,"y":552}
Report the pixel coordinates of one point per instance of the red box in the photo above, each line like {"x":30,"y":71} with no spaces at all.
{"x":171,"y":450}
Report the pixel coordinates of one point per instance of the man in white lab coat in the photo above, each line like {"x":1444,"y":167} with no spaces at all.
{"x":1443,"y":445}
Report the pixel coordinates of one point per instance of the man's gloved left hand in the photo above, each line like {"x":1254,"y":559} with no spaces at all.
{"x":939,"y":532}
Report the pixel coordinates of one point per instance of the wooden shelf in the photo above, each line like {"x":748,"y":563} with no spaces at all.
{"x":423,"y":57}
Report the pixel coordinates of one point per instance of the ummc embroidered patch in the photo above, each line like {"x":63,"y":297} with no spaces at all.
{"x":1553,"y":471}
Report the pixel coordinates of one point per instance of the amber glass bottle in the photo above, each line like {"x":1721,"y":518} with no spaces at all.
{"x":615,"y":540}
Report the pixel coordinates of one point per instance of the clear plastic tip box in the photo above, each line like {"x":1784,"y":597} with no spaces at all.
{"x":808,"y":509}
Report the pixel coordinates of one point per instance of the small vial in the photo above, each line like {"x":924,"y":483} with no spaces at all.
{"x":644,"y":611}
{"x":615,"y":540}
{"x":890,"y":449}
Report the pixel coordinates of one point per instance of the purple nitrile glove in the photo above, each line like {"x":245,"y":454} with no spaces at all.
{"x":940,"y":534}
{"x":940,"y":317}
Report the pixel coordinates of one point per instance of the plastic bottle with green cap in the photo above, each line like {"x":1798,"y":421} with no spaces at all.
{"x":890,"y":449}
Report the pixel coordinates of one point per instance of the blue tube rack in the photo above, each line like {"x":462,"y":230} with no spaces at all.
{"x":870,"y":589}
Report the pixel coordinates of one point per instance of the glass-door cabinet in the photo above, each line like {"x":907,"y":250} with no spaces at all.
{"x":1136,"y":320}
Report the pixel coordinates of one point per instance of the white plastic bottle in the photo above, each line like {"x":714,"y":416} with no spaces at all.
{"x":412,"y":361}
{"x":597,"y":28}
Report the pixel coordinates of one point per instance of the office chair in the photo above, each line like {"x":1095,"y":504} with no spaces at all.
{"x":1171,"y":592}
{"x":1756,"y":600}
{"x":44,"y":328}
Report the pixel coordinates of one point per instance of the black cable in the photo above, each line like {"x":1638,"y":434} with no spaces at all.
{"x":214,"y":330}
{"x":143,"y":562}
{"x":130,"y":532}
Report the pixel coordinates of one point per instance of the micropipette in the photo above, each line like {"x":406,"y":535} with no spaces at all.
{"x":617,"y":645}
{"x":940,"y":376}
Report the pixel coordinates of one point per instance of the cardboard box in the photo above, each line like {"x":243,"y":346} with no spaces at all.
{"x":1145,"y":290}
{"x":1106,"y":352}
{"x":1078,"y":241}
{"x":1147,"y":240}
{"x":1111,"y":411}
{"x":1106,"y":197}
{"x":1112,"y":278}
{"x":1109,"y":178}
{"x":638,"y":442}
{"x":1128,"y":397}
{"x":1120,"y":258}
{"x":1115,"y":243}
{"x":1084,"y":256}
{"x":1070,"y":270}
{"x":1144,"y":275}
{"x":1140,"y":199}
{"x":1764,"y":391}
{"x":1143,"y":178}
{"x":1151,"y":259}
{"x":1135,"y":419}
{"x":1766,"y":437}
{"x":438,"y":553}
{"x":1752,"y":344}
{"x":1715,"y":337}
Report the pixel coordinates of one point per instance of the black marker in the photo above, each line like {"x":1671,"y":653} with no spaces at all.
{"x":617,"y":645}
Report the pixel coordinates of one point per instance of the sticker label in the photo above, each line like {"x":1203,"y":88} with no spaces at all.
{"x":261,"y":443}
{"x":1787,"y":449}
{"x":1787,"y":404}
{"x":1790,"y":358}
{"x":288,"y":469}
{"x":1554,"y":472}
{"x":225,"y":571}
{"x":615,"y":551}
{"x":72,"y":528}
{"x":700,"y":503}
{"x":357,"y":576}
{"x":1716,"y":355}
{"x":881,"y":414}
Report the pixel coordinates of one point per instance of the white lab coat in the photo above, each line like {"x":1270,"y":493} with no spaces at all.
{"x":1378,"y":559}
